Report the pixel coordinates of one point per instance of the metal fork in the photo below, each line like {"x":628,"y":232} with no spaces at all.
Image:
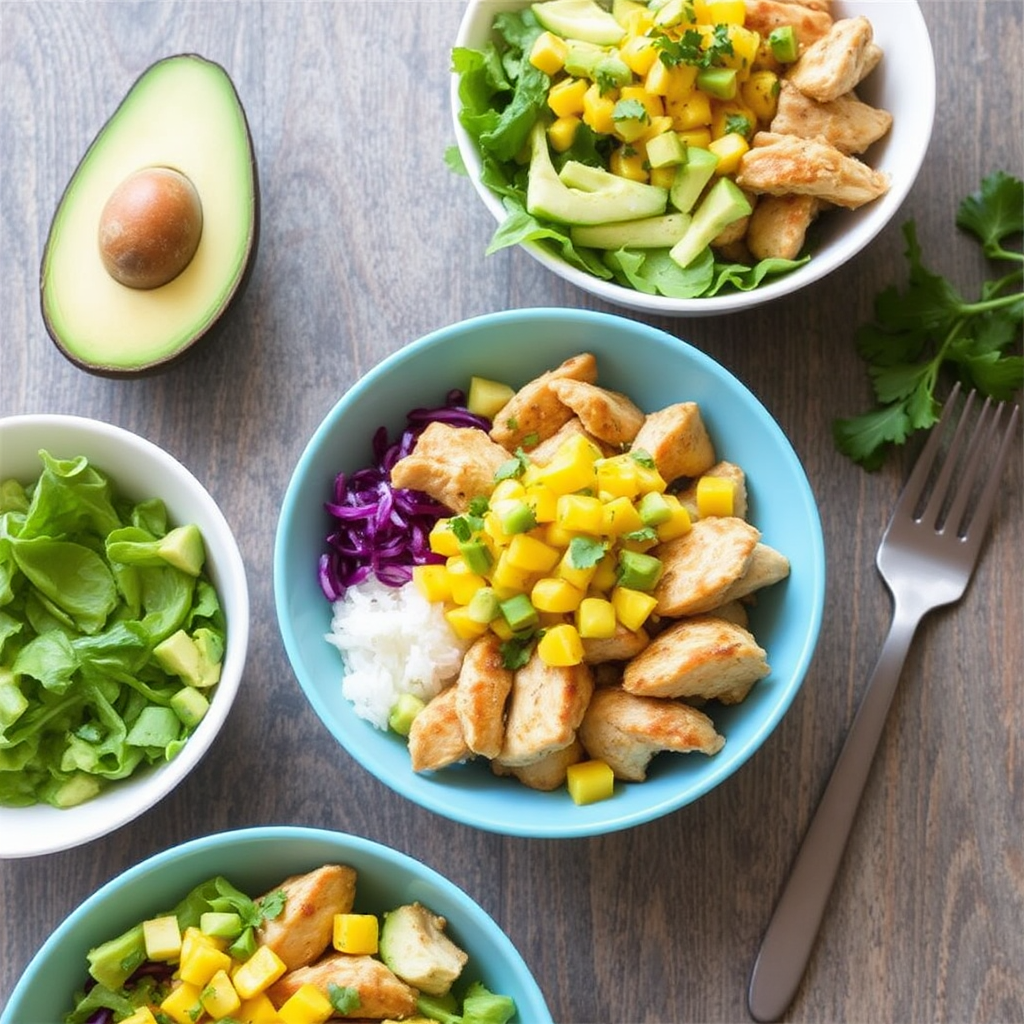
{"x":926,"y":557}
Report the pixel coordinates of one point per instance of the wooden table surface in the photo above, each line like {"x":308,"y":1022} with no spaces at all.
{"x":368,"y":242}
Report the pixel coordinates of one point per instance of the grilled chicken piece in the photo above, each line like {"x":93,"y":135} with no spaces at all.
{"x":534,"y":410}
{"x":546,"y":774}
{"x":704,"y":657}
{"x":676,"y":438}
{"x":609,"y":416}
{"x":784,"y":164}
{"x":729,"y":470}
{"x":623,"y":645}
{"x":845,"y":122}
{"x":626,"y":731}
{"x":381,"y":993}
{"x":545,"y":451}
{"x":302,"y":931}
{"x":766,"y":566}
{"x":835,"y":63}
{"x":809,"y":22}
{"x":481,"y":690}
{"x":699,"y":567}
{"x":451,"y":464}
{"x":436,"y":738}
{"x":778,"y":226}
{"x":545,"y":709}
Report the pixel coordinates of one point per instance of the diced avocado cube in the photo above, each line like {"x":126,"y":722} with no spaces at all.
{"x":691,"y":178}
{"x":519,"y":613}
{"x":477,"y":555}
{"x":519,"y":518}
{"x":190,"y":706}
{"x":406,"y":708}
{"x":638,"y":571}
{"x":162,"y":937}
{"x":220,"y":924}
{"x":654,"y":509}
{"x":484,"y":605}
{"x":718,"y":82}
{"x":415,"y":947}
{"x":666,"y":149}
{"x":180,"y":655}
{"x":723,"y":204}
{"x":113,"y":962}
{"x":183,"y":548}
{"x":783,"y":43}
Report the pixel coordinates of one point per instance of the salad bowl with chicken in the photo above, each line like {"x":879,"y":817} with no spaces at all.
{"x":566,"y":579}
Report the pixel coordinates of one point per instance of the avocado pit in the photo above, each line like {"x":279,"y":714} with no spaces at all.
{"x":150,"y":227}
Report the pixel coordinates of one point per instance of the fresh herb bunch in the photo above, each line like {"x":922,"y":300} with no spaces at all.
{"x":929,"y":326}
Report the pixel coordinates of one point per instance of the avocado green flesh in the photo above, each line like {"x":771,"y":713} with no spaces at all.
{"x":184,"y":113}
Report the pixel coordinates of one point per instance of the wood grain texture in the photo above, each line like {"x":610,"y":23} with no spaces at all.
{"x":368,"y":242}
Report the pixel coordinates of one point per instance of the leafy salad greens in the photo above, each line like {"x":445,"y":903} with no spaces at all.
{"x":502,"y":96}
{"x":96,"y":593}
{"x":930,"y":326}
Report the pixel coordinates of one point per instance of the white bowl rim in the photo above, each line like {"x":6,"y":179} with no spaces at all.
{"x":256,"y":835}
{"x":433,"y":798}
{"x":819,"y":267}
{"x":24,"y":838}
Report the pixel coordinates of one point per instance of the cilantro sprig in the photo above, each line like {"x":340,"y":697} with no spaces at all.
{"x":930,"y":327}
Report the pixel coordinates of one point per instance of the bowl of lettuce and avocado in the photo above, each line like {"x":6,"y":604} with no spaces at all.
{"x":579,"y":125}
{"x":123,"y":628}
{"x":228,"y":875}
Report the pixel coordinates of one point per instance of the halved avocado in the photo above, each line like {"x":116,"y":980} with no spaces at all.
{"x":182,"y":114}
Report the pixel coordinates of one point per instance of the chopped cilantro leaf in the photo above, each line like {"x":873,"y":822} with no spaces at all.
{"x":630,"y":110}
{"x":515,"y":652}
{"x":739,"y":124}
{"x":645,"y":533}
{"x":478,"y":506}
{"x":642,"y":458}
{"x":514,"y":468}
{"x":584,"y":553}
{"x":344,"y":998}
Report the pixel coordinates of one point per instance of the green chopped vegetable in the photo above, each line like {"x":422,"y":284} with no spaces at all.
{"x":90,"y":585}
{"x":929,"y":327}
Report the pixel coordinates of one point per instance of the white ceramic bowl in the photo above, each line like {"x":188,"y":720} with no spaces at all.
{"x":904,"y":84}
{"x":255,"y":859}
{"x":139,"y":469}
{"x":655,"y":369}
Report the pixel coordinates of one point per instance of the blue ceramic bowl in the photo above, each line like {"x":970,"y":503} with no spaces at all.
{"x":254,"y":860}
{"x":655,"y":369}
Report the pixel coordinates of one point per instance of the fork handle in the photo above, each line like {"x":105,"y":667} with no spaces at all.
{"x":787,"y":943}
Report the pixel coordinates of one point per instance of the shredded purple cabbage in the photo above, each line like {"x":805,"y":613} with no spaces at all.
{"x":380,"y":529}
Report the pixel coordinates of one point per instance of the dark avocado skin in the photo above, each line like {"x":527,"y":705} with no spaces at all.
{"x":217,"y":323}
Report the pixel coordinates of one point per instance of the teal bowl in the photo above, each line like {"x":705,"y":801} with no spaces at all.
{"x":655,"y":369}
{"x":254,"y":860}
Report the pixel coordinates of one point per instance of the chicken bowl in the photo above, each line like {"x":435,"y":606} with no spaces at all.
{"x":382,"y":664}
{"x":692,"y":159}
{"x":309,"y":876}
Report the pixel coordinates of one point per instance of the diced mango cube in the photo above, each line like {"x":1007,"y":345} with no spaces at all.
{"x":595,"y":619}
{"x":543,"y":501}
{"x":632,"y":607}
{"x":356,"y":933}
{"x":697,"y":137}
{"x":717,"y":12}
{"x":692,"y":111}
{"x":582,"y":513}
{"x":716,"y":496}
{"x":442,"y":540}
{"x":432,"y":581}
{"x":506,"y":576}
{"x":552,"y":594}
{"x":627,"y":161}
{"x":662,"y":177}
{"x":565,"y":98}
{"x":465,"y":627}
{"x":307,"y":1005}
{"x":760,"y":92}
{"x":162,"y":937}
{"x":589,"y":781}
{"x":464,"y":585}
{"x":606,"y":574}
{"x":183,"y":1005}
{"x":258,"y":1010}
{"x":219,"y":997}
{"x":259,"y":972}
{"x":560,"y":646}
{"x":620,"y":516}
{"x":598,"y":110}
{"x":617,"y":476}
{"x":530,"y":554}
{"x":548,"y":53}
{"x":572,"y":468}
{"x":639,"y":54}
{"x":578,"y":576}
{"x":678,"y":522}
{"x":202,"y":963}
{"x":562,"y":131}
{"x":143,"y":1015}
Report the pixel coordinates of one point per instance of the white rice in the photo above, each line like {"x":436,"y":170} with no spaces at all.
{"x":393,"y":641}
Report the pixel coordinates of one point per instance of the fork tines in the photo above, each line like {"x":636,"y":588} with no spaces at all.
{"x":971,"y":450}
